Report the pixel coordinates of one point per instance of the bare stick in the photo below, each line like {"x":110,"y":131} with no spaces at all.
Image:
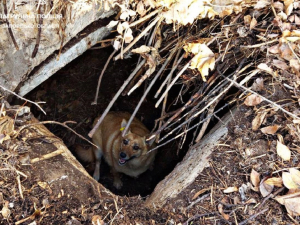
{"x":58,"y":123}
{"x":205,"y":124}
{"x":190,"y":101}
{"x":172,"y":83}
{"x":38,"y":39}
{"x":48,"y":156}
{"x":144,"y":18}
{"x":205,"y":107}
{"x":252,"y":217}
{"x":120,"y":55}
{"x":101,"y":75}
{"x":91,"y":133}
{"x":157,"y":45}
{"x":163,"y":111}
{"x":265,"y":99}
{"x":35,"y":103}
{"x":184,"y":132}
{"x":168,"y":77}
{"x":8,"y":26}
{"x":20,"y":186}
{"x":149,"y":87}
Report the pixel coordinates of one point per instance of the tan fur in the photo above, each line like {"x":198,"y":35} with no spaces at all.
{"x":111,"y":146}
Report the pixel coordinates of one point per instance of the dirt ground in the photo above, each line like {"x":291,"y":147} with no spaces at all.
{"x":69,"y":95}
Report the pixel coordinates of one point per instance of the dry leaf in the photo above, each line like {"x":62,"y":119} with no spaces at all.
{"x":295,"y":174}
{"x":251,"y":201}
{"x":142,"y":49}
{"x":140,"y":9}
{"x":253,"y":100}
{"x":291,"y":203}
{"x":258,"y":84}
{"x":283,"y":151}
{"x":199,"y":193}
{"x":270,"y":129}
{"x":220,"y":208}
{"x":294,"y":63}
{"x":265,"y":189}
{"x":253,"y":23}
{"x":184,"y":12}
{"x":117,"y":45}
{"x":262,"y":4}
{"x":5,"y":210}
{"x":128,"y":36}
{"x":265,"y":68}
{"x":97,"y":220}
{"x":203,"y":60}
{"x":120,"y":28}
{"x":247,"y":20}
{"x":258,"y":120}
{"x":276,"y":181}
{"x":274,"y":49}
{"x":255,"y":178}
{"x":6,"y":125}
{"x":278,"y":5}
{"x":288,"y":181}
{"x":230,"y":190}
{"x":286,"y":52}
{"x":112,"y":24}
{"x":280,"y":64}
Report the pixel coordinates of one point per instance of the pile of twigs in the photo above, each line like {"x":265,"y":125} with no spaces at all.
{"x":239,"y":44}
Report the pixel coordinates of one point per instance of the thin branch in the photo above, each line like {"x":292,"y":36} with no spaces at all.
{"x":91,"y":133}
{"x":168,"y":77}
{"x":252,"y":217}
{"x":185,"y":131}
{"x":144,"y":18}
{"x":172,"y":83}
{"x":35,"y":103}
{"x":101,"y":75}
{"x":58,"y":123}
{"x":265,"y":99}
{"x":38,"y":39}
{"x":120,"y":55}
{"x":149,"y":87}
{"x":8,"y":26}
{"x":48,"y":156}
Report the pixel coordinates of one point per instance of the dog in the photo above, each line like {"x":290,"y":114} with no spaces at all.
{"x":128,"y":155}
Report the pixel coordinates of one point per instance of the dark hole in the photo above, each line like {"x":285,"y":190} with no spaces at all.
{"x":68,"y":95}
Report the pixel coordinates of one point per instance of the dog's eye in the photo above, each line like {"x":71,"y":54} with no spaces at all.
{"x":125,"y":142}
{"x":135,"y":147}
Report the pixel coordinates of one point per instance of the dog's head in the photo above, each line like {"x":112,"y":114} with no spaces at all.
{"x":132,"y":146}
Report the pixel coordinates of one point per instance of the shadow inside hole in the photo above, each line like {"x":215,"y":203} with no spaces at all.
{"x":68,"y":95}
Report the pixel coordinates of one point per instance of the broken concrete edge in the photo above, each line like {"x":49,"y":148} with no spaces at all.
{"x":47,"y":70}
{"x":190,"y":167}
{"x":16,"y":65}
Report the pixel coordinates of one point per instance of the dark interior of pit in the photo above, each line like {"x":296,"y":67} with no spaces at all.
{"x":68,"y":95}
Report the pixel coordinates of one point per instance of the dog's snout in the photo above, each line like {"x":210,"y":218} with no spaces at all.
{"x":123,"y":155}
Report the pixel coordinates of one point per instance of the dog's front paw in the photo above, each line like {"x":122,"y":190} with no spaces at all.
{"x":118,"y":183}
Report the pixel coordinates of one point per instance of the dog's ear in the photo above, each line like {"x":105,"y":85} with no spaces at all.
{"x":124,"y":123}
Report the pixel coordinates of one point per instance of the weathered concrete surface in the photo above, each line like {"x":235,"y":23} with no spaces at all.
{"x":60,"y":25}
